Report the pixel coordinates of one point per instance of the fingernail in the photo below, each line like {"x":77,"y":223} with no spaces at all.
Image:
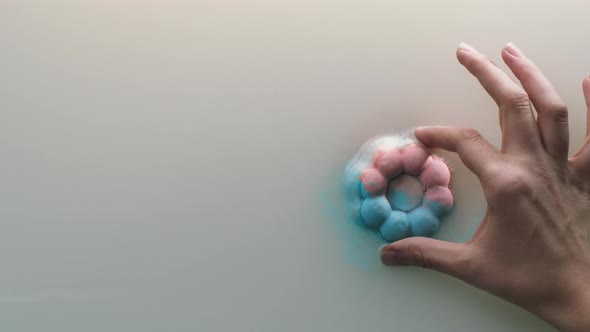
{"x":417,"y":129}
{"x":513,"y":50}
{"x":395,"y":258}
{"x":467,"y":48}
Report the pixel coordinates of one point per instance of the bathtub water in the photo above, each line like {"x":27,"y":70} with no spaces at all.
{"x":174,"y":165}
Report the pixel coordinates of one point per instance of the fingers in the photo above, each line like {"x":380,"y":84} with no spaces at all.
{"x":516,"y":118}
{"x":581,"y":160}
{"x":552,"y":112}
{"x":586,"y":89}
{"x":446,"y":257}
{"x":475,"y":152}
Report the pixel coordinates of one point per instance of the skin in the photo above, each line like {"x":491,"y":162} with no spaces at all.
{"x":532,"y":247}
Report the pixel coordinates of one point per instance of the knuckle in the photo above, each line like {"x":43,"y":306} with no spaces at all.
{"x":493,"y":171}
{"x":419,"y":258}
{"x":478,"y":64}
{"x":510,"y":185}
{"x":558,"y":112}
{"x":470,"y":134}
{"x":515,"y":184}
{"x":579,"y":165}
{"x":529,"y":70}
{"x":516,"y":100}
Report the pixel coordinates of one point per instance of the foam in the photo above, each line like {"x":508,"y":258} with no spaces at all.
{"x":396,"y":186}
{"x":405,"y":192}
{"x":375,"y":210}
{"x":396,"y":227}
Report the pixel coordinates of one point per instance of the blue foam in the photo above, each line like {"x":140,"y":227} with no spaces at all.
{"x":423,"y":222}
{"x":396,"y":227}
{"x":375,"y":210}
{"x":352,"y":188}
{"x":437,"y":209}
{"x":364,"y":191}
{"x":352,"y":182}
{"x":359,"y":243}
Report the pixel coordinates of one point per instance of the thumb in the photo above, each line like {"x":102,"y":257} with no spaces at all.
{"x":446,"y":257}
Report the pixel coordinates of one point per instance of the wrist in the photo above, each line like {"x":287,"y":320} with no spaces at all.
{"x":568,"y":309}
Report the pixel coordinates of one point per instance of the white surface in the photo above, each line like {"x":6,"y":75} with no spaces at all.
{"x":163,"y":162}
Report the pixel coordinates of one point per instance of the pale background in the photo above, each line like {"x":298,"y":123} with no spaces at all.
{"x":171,"y":165}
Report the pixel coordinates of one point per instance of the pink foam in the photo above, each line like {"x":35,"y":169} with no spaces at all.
{"x":389,"y":163}
{"x":440,"y":195}
{"x":435,"y":173}
{"x":414,"y":157}
{"x":373,"y":181}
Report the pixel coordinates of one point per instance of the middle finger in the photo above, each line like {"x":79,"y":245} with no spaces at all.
{"x":519,"y":128}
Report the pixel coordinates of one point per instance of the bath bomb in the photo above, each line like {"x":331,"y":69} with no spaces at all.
{"x":397,"y":187}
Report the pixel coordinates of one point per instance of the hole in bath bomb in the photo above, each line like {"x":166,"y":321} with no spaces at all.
{"x":405,"y":192}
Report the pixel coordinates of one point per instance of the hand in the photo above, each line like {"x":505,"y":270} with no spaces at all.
{"x":532,"y":247}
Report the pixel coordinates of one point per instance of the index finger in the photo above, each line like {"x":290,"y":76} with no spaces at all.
{"x":474,"y":150}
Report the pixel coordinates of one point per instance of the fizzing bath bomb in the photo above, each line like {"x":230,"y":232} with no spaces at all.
{"x":397,"y":187}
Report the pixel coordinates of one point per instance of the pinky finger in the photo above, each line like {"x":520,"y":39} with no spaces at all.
{"x":586,"y":89}
{"x":581,"y":160}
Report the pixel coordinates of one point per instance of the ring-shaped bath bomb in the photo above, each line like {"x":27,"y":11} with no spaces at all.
{"x":395,"y":185}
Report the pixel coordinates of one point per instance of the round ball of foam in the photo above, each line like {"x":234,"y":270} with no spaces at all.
{"x":375,"y":210}
{"x":422,"y":222}
{"x":413,"y":158}
{"x":389,"y":163}
{"x":439,"y":200}
{"x":435,"y":173}
{"x":395,"y":227}
{"x":372,"y":183}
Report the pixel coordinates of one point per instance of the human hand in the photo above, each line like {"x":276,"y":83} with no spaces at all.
{"x":532,"y":247}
